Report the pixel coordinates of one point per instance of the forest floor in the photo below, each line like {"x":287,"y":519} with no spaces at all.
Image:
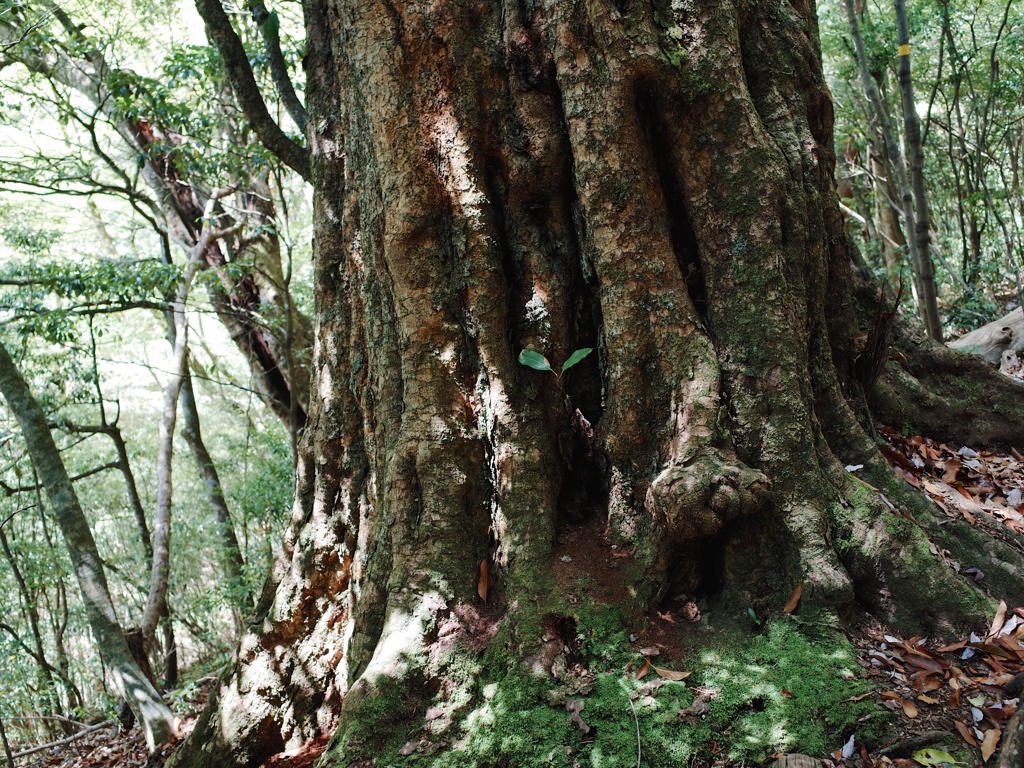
{"x":951,"y":702}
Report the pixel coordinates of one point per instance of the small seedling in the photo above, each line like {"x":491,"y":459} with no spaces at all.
{"x":533,"y":359}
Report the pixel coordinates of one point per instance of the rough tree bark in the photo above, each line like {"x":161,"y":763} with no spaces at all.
{"x":652,"y":180}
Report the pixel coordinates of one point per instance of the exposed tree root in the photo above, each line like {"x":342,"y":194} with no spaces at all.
{"x":693,"y":240}
{"x":947,"y":394}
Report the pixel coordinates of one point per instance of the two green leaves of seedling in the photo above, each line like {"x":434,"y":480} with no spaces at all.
{"x":533,"y":359}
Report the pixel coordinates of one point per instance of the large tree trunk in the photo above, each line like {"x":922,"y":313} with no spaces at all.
{"x":652,"y":180}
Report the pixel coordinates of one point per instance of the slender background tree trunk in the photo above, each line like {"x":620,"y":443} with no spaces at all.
{"x":924,"y":274}
{"x":129,"y":681}
{"x":915,"y":150}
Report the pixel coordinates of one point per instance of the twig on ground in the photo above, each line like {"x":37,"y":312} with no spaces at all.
{"x":637,"y":721}
{"x":68,"y":740}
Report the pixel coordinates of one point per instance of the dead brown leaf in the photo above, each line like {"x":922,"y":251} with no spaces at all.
{"x":909,"y":708}
{"x":967,"y":733}
{"x":794,"y":599}
{"x":924,"y":662}
{"x":999,"y":620}
{"x":988,"y":745}
{"x":483,"y":582}
{"x":926,"y":683}
{"x":644,"y":669}
{"x":671,"y":674}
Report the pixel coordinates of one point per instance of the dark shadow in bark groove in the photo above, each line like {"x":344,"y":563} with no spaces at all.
{"x":664,"y":158}
{"x":695,"y":573}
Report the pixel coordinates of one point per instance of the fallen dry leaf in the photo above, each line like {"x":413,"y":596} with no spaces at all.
{"x":794,"y":599}
{"x":644,"y":669}
{"x":988,"y":746}
{"x":923,"y":662}
{"x":967,"y":733}
{"x":671,"y":674}
{"x":997,"y":622}
{"x":909,"y":708}
{"x":483,"y":582}
{"x":926,"y":683}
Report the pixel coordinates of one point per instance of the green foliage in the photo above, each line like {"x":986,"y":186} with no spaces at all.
{"x":86,"y":245}
{"x":934,"y":757}
{"x":261,"y":493}
{"x":533,"y":359}
{"x":108,"y":282}
{"x":968,"y":90}
{"x":28,"y":240}
{"x":272,"y":27}
{"x":183,"y":126}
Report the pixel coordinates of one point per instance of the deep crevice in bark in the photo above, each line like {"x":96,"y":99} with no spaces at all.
{"x":533,"y":213}
{"x":663,"y":157}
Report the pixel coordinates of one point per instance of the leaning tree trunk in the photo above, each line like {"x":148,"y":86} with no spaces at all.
{"x":131,"y":684}
{"x":654,"y":181}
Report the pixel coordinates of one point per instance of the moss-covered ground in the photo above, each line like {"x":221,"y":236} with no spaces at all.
{"x":754,"y":691}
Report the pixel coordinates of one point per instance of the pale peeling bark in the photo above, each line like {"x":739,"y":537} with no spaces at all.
{"x":655,"y":182}
{"x":992,"y":340}
{"x":156,"y":599}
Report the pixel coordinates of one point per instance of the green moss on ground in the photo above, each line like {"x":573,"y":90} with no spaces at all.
{"x":786,"y":689}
